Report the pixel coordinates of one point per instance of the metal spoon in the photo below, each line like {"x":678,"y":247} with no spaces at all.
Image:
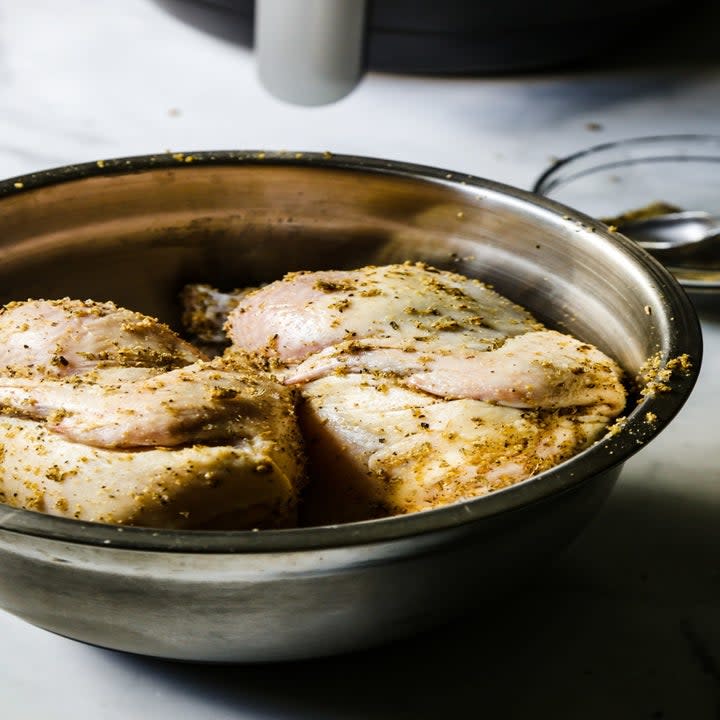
{"x":681,"y":239}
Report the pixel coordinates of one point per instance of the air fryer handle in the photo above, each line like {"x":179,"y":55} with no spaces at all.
{"x":310,"y":52}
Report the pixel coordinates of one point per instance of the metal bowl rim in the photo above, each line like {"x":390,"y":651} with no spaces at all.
{"x":601,"y":457}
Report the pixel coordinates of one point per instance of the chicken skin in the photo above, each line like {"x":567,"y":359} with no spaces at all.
{"x":408,"y":307}
{"x":379,"y":448}
{"x":107,"y":415}
{"x":418,"y":388}
{"x":65,"y":337}
{"x":421,"y":386}
{"x":437,"y":331}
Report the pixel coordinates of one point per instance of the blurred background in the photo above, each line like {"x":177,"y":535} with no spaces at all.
{"x":81,"y":80}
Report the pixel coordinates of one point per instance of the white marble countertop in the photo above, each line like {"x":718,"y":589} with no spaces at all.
{"x":626,"y":623}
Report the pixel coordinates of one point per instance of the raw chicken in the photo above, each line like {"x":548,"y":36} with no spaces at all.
{"x":539,"y":369}
{"x":408,"y":307}
{"x":208,"y":401}
{"x":421,"y":386}
{"x":380,"y":449}
{"x":65,"y":337}
{"x":435,"y":331}
{"x":205,"y":311}
{"x":109,"y":416}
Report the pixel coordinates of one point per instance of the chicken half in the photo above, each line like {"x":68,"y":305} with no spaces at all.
{"x":108,"y":416}
{"x":422,"y":387}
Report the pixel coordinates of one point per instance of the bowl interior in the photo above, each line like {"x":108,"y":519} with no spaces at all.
{"x":135,"y":231}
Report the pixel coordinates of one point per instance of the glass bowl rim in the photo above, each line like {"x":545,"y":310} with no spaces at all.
{"x":544,"y":183}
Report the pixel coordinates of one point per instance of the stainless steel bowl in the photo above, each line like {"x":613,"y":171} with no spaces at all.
{"x":135,"y":230}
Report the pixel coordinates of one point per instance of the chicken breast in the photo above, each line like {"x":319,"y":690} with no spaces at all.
{"x":64,"y":337}
{"x":407,"y":307}
{"x":109,"y":416}
{"x":251,"y":483}
{"x":215,"y":401}
{"x":539,"y":369}
{"x":380,"y":449}
{"x":422,"y":387}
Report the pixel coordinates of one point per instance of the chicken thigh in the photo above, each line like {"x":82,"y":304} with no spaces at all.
{"x":421,"y":386}
{"x":107,"y":415}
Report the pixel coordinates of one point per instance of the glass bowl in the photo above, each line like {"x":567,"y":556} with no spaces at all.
{"x":607,"y":181}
